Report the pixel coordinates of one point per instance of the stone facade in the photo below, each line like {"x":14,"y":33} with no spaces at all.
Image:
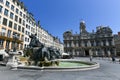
{"x":117,"y":43}
{"x":99,"y":43}
{"x":16,"y":19}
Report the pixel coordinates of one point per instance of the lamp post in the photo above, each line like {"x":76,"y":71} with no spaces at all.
{"x":15,"y":37}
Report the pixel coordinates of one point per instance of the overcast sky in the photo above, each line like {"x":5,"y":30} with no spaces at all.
{"x":58,"y":16}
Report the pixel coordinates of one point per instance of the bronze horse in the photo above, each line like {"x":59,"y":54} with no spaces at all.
{"x":39,"y":52}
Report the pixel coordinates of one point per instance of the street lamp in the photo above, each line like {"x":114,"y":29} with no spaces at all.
{"x":15,"y":37}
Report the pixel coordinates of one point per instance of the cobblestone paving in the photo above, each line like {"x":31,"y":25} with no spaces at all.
{"x":107,"y":71}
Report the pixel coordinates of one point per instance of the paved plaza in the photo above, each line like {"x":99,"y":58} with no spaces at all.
{"x":107,"y":71}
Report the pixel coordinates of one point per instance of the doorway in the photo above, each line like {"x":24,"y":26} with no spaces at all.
{"x":86,"y":52}
{"x":1,"y":57}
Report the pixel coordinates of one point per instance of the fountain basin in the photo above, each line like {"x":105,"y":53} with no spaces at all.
{"x":65,"y":65}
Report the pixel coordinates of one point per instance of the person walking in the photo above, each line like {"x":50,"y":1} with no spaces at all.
{"x":90,"y":57}
{"x":113,"y":59}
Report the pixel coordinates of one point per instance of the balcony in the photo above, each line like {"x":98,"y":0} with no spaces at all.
{"x":2,"y":34}
{"x":9,"y":37}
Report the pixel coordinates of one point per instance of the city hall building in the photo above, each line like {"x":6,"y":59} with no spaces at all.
{"x":99,"y":43}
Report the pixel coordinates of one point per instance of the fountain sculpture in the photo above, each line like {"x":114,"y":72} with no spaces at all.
{"x":41,"y":55}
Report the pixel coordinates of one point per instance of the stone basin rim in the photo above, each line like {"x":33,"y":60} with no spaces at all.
{"x":94,"y":65}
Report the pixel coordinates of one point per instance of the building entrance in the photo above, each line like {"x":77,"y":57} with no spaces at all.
{"x":86,"y":52}
{"x":1,"y":57}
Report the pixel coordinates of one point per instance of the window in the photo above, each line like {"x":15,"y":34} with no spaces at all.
{"x":20,"y":13}
{"x":17,"y":4}
{"x":23,"y":29}
{"x":10,"y":24}
{"x":17,"y":11}
{"x":26,"y":25}
{"x":26,"y":32}
{"x":15,"y":26}
{"x":12,"y":7}
{"x":3,"y":31}
{"x":5,"y":21}
{"x":14,"y":34}
{"x":1,"y":1}
{"x":23,"y":22}
{"x":18,"y":36}
{"x":13,"y":0}
{"x":6,"y":12}
{"x":7,"y":4}
{"x":9,"y":33}
{"x":24,"y":16}
{"x":19,"y":28}
{"x":11,"y":15}
{"x":0,"y":19}
{"x":25,"y":46}
{"x":22,"y":37}
{"x":12,"y":45}
{"x":16,"y":18}
{"x":1,"y":42}
{"x":7,"y":44}
{"x":1,"y":9}
{"x":20,"y":20}
{"x":26,"y":39}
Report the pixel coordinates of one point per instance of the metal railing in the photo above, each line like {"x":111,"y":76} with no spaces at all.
{"x":2,"y":34}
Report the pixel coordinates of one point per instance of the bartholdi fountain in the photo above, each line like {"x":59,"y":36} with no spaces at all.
{"x":39,"y":57}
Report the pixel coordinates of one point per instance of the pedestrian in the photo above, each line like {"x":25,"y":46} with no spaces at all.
{"x":113,"y":59}
{"x":90,"y":58}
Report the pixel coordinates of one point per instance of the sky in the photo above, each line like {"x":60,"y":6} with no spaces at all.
{"x":58,"y":16}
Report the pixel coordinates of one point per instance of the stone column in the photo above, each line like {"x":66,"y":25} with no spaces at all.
{"x":68,"y":45}
{"x":10,"y":45}
{"x":73,"y":51}
{"x":113,"y":42}
{"x":77,"y":53}
{"x":107,"y":43}
{"x":82,"y":43}
{"x":77,"y":44}
{"x":115,"y":52}
{"x":96,"y":52}
{"x":102,"y":51}
{"x":109,"y":53}
{"x":90,"y":52}
{"x":73,"y":44}
{"x":94,"y":43}
{"x":89,"y":44}
{"x":4,"y":44}
{"x":83,"y":51}
{"x":101,"y":43}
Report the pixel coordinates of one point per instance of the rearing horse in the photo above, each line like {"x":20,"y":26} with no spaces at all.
{"x":34,"y":41}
